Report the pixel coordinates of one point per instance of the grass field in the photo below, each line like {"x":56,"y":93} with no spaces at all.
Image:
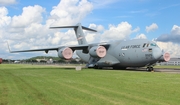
{"x":48,"y":85}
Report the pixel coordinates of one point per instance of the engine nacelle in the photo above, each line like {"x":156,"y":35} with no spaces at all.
{"x":165,"y":58}
{"x":65,"y":53}
{"x":98,"y":51}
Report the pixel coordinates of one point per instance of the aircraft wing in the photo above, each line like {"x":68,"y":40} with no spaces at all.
{"x":75,"y":47}
{"x":45,"y":49}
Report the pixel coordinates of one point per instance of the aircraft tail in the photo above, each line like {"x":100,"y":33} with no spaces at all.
{"x":79,"y":32}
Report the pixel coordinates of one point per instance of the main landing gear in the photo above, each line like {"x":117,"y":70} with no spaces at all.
{"x":150,"y":69}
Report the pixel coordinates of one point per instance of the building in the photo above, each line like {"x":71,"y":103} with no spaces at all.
{"x":172,"y":61}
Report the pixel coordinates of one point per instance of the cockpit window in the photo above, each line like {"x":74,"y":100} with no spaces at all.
{"x":144,"y":44}
{"x":148,"y":45}
{"x":153,"y":44}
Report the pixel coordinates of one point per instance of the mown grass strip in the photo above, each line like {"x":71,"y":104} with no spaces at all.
{"x":52,"y":85}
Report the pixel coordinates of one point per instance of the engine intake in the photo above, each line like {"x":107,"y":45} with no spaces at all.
{"x":65,"y":53}
{"x":165,"y":58}
{"x":98,"y":51}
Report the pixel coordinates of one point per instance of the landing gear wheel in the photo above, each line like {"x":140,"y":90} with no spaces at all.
{"x":97,"y":67}
{"x":150,"y":69}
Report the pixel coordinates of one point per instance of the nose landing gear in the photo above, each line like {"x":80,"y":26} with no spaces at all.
{"x":150,"y":69}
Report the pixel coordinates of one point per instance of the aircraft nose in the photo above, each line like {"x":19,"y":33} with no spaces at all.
{"x":157,"y":53}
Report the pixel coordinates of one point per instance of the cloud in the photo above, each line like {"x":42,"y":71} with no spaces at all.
{"x":139,"y":11}
{"x":30,"y":14}
{"x":4,"y":19}
{"x":29,"y":30}
{"x":119,"y":32}
{"x":152,"y":27}
{"x":7,"y":2}
{"x":99,"y":28}
{"x":170,"y":47}
{"x":141,"y":36}
{"x":174,"y":35}
{"x":70,"y":12}
{"x":65,"y":38}
{"x":98,"y":4}
{"x":94,"y":37}
{"x":169,"y":6}
{"x":136,"y":29}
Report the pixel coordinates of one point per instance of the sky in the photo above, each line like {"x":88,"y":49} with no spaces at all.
{"x":24,"y":24}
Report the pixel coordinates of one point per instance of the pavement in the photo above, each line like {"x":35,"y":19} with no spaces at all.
{"x":167,"y":70}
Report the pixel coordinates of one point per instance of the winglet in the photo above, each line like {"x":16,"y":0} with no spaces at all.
{"x":8,"y":46}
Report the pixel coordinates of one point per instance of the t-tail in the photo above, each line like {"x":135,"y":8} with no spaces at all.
{"x":79,"y":32}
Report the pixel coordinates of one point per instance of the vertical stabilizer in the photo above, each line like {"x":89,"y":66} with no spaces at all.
{"x":79,"y":32}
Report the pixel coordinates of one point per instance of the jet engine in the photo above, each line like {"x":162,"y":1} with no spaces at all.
{"x":165,"y":58}
{"x":65,"y":53}
{"x":98,"y":51}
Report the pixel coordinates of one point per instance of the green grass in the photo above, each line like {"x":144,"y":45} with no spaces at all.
{"x":168,"y":66}
{"x":48,"y":85}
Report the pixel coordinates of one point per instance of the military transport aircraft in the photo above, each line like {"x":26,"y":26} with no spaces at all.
{"x":117,"y":54}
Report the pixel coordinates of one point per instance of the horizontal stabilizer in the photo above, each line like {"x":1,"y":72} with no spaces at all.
{"x":89,"y":29}
{"x":83,"y":27}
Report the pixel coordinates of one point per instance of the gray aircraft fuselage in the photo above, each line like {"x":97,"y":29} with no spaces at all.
{"x":131,"y":53}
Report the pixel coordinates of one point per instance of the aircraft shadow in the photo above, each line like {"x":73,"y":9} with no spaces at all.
{"x":128,"y":69}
